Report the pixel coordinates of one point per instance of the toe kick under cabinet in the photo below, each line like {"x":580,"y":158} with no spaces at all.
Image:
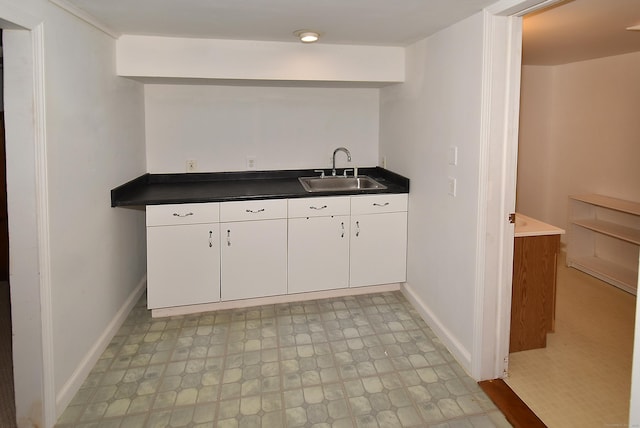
{"x":216,"y":252}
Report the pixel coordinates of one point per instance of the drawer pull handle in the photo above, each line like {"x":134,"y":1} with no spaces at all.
{"x":210,"y":238}
{"x":318,"y":208}
{"x":380,"y":205}
{"x":228,"y":238}
{"x":342,"y":225}
{"x":256,"y":211}
{"x":182,"y":215}
{"x":357,"y":228}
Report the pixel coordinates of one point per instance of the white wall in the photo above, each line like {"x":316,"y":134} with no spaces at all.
{"x":282,"y":127}
{"x":185,"y":57}
{"x":579,"y":133}
{"x":94,"y":142}
{"x":95,"y":137}
{"x":439,"y":107}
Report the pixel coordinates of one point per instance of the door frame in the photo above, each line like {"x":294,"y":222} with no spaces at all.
{"x":28,"y":216}
{"x":502,"y":64}
{"x":500,"y":112}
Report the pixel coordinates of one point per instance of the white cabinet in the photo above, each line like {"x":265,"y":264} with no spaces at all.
{"x":253,"y":248}
{"x":318,"y":244}
{"x":183,"y":255}
{"x":378,"y":253}
{"x":211,"y":252}
{"x":604,"y":238}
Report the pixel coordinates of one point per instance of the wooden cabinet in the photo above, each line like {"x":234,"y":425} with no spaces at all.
{"x":378,"y":253}
{"x":604,"y":238}
{"x":183,"y":255}
{"x":318,"y":250}
{"x":534,"y":291}
{"x":253,"y":249}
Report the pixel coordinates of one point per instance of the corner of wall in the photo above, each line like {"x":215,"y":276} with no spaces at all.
{"x":460,"y":353}
{"x":73,"y":384}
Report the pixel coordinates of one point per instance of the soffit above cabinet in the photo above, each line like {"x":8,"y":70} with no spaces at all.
{"x":173,"y":60}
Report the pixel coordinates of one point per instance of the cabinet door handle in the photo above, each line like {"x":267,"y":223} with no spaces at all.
{"x":210,"y":238}
{"x":318,"y":208}
{"x":342,"y":226}
{"x":228,"y":238}
{"x":182,"y":215}
{"x":380,"y":205}
{"x":256,"y":211}
{"x":357,"y":228}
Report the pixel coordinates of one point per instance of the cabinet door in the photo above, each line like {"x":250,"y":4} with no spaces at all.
{"x":318,"y":253}
{"x":183,"y":265}
{"x":378,"y":249}
{"x":254,"y":259}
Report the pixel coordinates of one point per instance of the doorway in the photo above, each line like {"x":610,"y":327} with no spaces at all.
{"x":583,"y":376}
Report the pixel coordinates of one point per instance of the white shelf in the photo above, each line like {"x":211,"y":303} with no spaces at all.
{"x":621,"y":205}
{"x":604,"y":239}
{"x":611,"y":229}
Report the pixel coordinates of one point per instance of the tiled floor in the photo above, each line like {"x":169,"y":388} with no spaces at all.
{"x":583,"y":377}
{"x":366,"y":361}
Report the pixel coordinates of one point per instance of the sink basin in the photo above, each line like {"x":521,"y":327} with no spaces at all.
{"x":337,"y":184}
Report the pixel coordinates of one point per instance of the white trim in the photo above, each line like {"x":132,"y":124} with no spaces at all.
{"x":508,"y":194}
{"x":459,"y":352}
{"x":492,"y":306}
{"x":73,"y":384}
{"x":483,"y":191}
{"x":86,"y":17}
{"x":518,"y":7}
{"x":42,"y":216}
{"x":273,"y":300}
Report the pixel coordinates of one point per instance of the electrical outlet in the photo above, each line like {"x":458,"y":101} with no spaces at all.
{"x":383,"y":161}
{"x":192,"y":165}
{"x":251,"y":162}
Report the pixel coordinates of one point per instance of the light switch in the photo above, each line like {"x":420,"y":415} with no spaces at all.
{"x":452,"y":186}
{"x":453,"y":155}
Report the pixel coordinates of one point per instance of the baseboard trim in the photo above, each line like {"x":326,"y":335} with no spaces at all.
{"x":460,"y":353}
{"x":73,"y":384}
{"x":273,"y":300}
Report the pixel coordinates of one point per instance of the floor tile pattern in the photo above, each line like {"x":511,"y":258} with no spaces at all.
{"x":363,"y":361}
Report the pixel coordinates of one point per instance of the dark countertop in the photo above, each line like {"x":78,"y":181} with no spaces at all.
{"x":156,"y":189}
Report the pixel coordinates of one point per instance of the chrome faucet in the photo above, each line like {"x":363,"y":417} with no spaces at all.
{"x":339,"y":149}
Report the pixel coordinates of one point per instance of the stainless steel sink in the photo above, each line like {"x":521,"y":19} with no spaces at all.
{"x":337,"y":184}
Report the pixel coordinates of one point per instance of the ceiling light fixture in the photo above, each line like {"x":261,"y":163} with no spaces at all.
{"x":307,"y":36}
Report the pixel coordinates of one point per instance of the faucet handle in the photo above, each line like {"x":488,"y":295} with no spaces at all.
{"x":321,"y":171}
{"x":344,"y":173}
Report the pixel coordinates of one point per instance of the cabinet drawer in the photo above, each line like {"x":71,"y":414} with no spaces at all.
{"x":319,"y":207}
{"x":372,"y":204}
{"x":172,"y":214}
{"x":253,"y":210}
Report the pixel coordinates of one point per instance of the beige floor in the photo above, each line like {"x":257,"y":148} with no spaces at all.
{"x":583,"y":377}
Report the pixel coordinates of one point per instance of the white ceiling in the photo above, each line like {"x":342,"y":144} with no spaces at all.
{"x":359,"y":22}
{"x":573,"y":31}
{"x":578,"y":30}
